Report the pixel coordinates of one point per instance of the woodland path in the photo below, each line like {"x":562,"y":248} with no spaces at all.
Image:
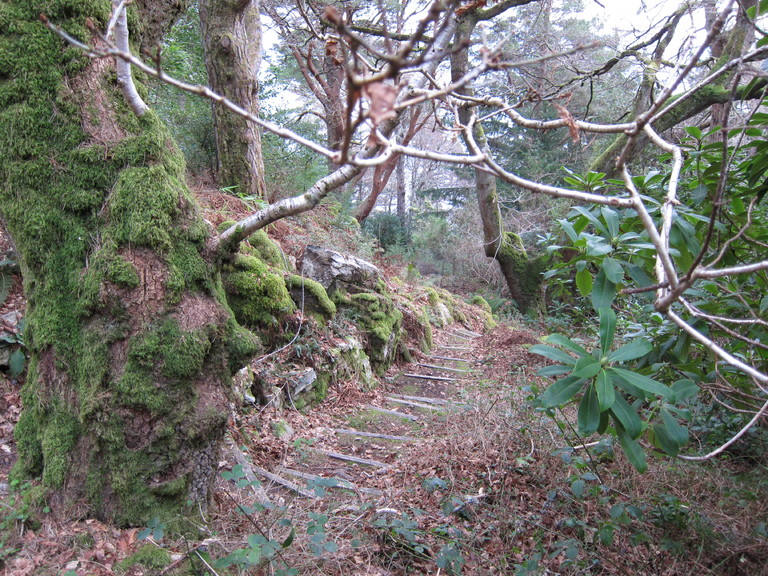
{"x":359,"y":451}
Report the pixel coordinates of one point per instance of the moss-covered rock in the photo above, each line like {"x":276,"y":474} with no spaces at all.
{"x":268,"y":250}
{"x":351,"y":363}
{"x":258,"y":296}
{"x":149,"y":556}
{"x":312,"y":296}
{"x":381,"y":321}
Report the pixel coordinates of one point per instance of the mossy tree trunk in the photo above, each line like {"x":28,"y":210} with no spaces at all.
{"x":522,"y":274}
{"x":131,"y":342}
{"x":232,"y":44}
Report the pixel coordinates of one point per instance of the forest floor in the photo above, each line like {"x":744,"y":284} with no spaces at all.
{"x":457,"y":473}
{"x":464,"y":477}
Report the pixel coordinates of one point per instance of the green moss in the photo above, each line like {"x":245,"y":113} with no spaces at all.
{"x":315,"y":297}
{"x":426,"y":344}
{"x":258,"y":296}
{"x":110,"y":411}
{"x":227,"y":224}
{"x":480,"y":302}
{"x":166,"y":351}
{"x":267,"y":250}
{"x":377,"y":315}
{"x":187,"y":270}
{"x":527,"y":272}
{"x":452,"y":304}
{"x":242,"y":344}
{"x":340,"y":298}
{"x":58,"y":439}
{"x":142,"y":205}
{"x":149,"y":556}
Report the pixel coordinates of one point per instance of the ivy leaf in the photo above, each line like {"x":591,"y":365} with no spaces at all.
{"x":589,"y":413}
{"x":16,"y":363}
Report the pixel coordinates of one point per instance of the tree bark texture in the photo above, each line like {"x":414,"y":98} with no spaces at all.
{"x":131,"y":342}
{"x":232,"y":42}
{"x":522,"y":275}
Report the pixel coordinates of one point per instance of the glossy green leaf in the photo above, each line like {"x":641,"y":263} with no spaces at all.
{"x":626,"y":416}
{"x":603,"y":291}
{"x":561,"y":391}
{"x":611,"y":218}
{"x":604,"y":421}
{"x":642,"y":280}
{"x":606,"y":395}
{"x":685,"y":390}
{"x":632,"y":449}
{"x":613,"y":270}
{"x":584,"y":282}
{"x":554,"y":370}
{"x":586,"y":367}
{"x":588,"y":418}
{"x":693,"y":131}
{"x":594,"y":220}
{"x":669,"y":435}
{"x":568,"y":229}
{"x":289,"y":540}
{"x":652,"y":387}
{"x":565,"y":342}
{"x":553,"y":354}
{"x":630,"y":351}
{"x":607,"y":329}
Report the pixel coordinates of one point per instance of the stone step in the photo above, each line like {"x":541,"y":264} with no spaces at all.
{"x":427,"y":400}
{"x":413,"y":404}
{"x":392,"y":412}
{"x":446,"y":368}
{"x":373,"y":435}
{"x":425,"y":377}
{"x":348,"y":458}
{"x":342,"y":484}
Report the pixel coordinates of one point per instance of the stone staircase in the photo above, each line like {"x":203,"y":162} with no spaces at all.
{"x":357,"y":456}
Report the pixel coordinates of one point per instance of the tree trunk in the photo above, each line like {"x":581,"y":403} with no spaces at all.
{"x":522,"y":275}
{"x":400,"y":180}
{"x":232,"y":42}
{"x":130,"y":340}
